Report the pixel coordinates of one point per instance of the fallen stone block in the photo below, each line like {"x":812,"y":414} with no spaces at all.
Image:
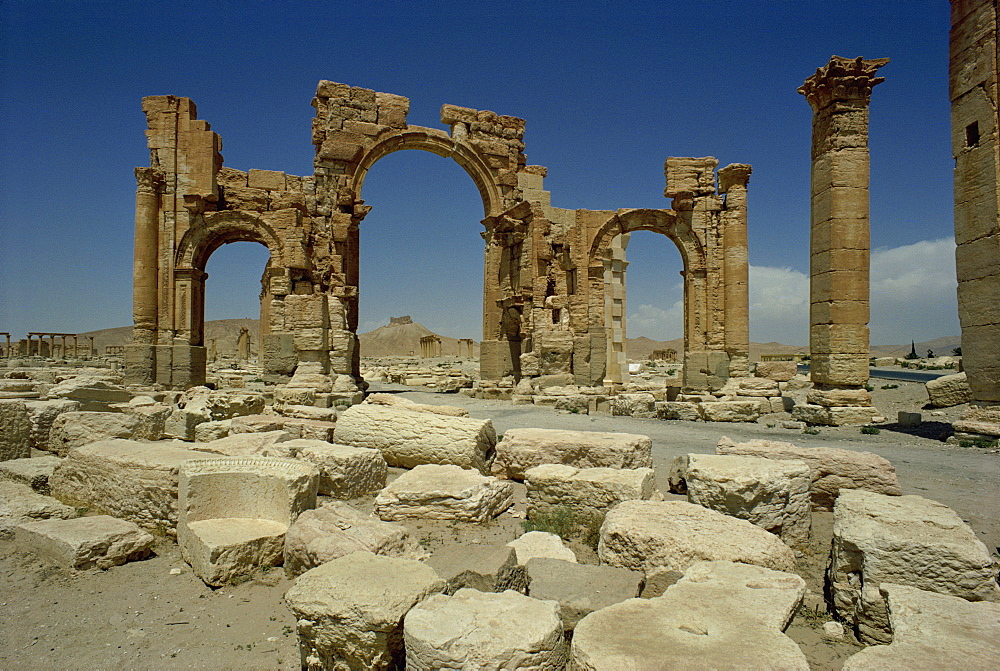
{"x":222,"y":403}
{"x":731,"y":411}
{"x":74,"y":429}
{"x":532,"y":545}
{"x":310,"y":412}
{"x":643,"y":535}
{"x":206,"y":432}
{"x":394,"y":400}
{"x":832,"y":469}
{"x":335,"y":530}
{"x":85,"y":542}
{"x":678,"y":410}
{"x":480,"y":630}
{"x":522,"y":449}
{"x":257,"y":424}
{"x":948,"y":390}
{"x":244,"y":444}
{"x":345,"y":472}
{"x":126,"y":479}
{"x":580,"y":589}
{"x":19,"y":503}
{"x":933,"y":631}
{"x":42,"y":414}
{"x":152,"y":419}
{"x":310,"y":429}
{"x":720,"y":615}
{"x":409,"y":438}
{"x":633,"y":405}
{"x":182,"y":423}
{"x":438,"y":492}
{"x":907,"y":540}
{"x":812,"y":413}
{"x":772,"y":494}
{"x":585,"y":495}
{"x":350,"y":611}
{"x":480,"y":567}
{"x":15,"y":430}
{"x":94,"y":394}
{"x":233,"y":513}
{"x":779,"y":371}
{"x":34,"y":471}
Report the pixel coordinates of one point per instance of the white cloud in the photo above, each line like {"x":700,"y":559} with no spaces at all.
{"x":656,"y":323}
{"x":779,"y":305}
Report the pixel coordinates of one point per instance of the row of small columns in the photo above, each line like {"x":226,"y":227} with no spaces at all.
{"x":8,"y":349}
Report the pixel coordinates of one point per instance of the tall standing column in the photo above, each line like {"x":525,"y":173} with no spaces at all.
{"x":733,"y":180}
{"x":975,"y":131}
{"x":140,"y":360}
{"x":839,"y":94}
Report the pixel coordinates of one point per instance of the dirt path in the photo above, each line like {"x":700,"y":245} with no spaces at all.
{"x":139,"y":616}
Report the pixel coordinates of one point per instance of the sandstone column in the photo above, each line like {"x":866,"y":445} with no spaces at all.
{"x":839,"y":94}
{"x":733,"y":180}
{"x":976,"y":149}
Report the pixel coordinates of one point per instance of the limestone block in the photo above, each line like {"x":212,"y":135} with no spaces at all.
{"x":980,"y":419}
{"x":408,"y":438}
{"x":720,"y":615}
{"x":350,"y":610}
{"x":206,"y":432}
{"x":257,"y":424}
{"x":310,"y":429}
{"x":539,"y":544}
{"x":949,"y":390}
{"x":14,"y":388}
{"x":831,"y":468}
{"x":832,"y":398}
{"x":731,"y":411}
{"x":750,"y":386}
{"x":908,"y":540}
{"x":779,"y":371}
{"x":933,"y":631}
{"x":223,"y":403}
{"x":310,"y":412}
{"x":400,"y":402}
{"x":580,"y":589}
{"x":233,"y":512}
{"x":448,"y":492}
{"x":588,"y":493}
{"x":42,"y":414}
{"x":15,"y":430}
{"x":245,"y":444}
{"x":93,"y":393}
{"x":633,"y":405}
{"x":522,"y":449}
{"x":335,"y":530}
{"x":345,"y":472}
{"x":481,"y":567}
{"x":34,"y":471}
{"x":642,"y":535}
{"x":908,"y":419}
{"x":127,"y":479}
{"x":773,"y":494}
{"x":85,"y":542}
{"x":19,"y":503}
{"x":678,"y":410}
{"x":151,"y":418}
{"x":73,"y":429}
{"x":810,"y":413}
{"x":480,"y":630}
{"x":183,"y":422}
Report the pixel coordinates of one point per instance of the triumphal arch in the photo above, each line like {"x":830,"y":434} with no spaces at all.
{"x":554,"y":279}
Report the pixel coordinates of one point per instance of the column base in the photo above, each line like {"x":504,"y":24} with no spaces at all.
{"x":980,"y":423}
{"x":845,"y":415}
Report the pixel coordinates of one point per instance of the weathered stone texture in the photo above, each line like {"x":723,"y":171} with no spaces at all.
{"x":85,"y":542}
{"x":15,"y":430}
{"x":949,"y":390}
{"x":19,"y":503}
{"x":400,"y":402}
{"x":430,"y":491}
{"x":336,"y":529}
{"x":907,"y":540}
{"x":832,"y":469}
{"x":350,"y":610}
{"x":580,"y":589}
{"x":643,"y":535}
{"x":720,"y":615}
{"x":345,"y":472}
{"x":34,"y":472}
{"x":42,"y":414}
{"x":477,"y":630}
{"x":408,"y":438}
{"x":73,"y":429}
{"x":522,"y":449}
{"x":773,"y":494}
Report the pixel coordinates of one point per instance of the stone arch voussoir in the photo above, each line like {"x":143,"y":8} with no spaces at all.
{"x":218,"y":228}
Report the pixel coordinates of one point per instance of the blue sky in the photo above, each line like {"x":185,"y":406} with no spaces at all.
{"x":609,"y":90}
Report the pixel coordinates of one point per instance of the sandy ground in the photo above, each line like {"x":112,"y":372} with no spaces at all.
{"x":139,"y":616}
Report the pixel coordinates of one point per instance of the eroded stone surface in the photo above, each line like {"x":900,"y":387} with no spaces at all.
{"x":933,"y":631}
{"x":345,"y":472}
{"x":948,"y":390}
{"x":408,"y":438}
{"x":350,"y":610}
{"x":718,"y":616}
{"x":401,"y":402}
{"x":907,"y":540}
{"x":832,"y":469}
{"x":19,"y":503}
{"x":73,"y":429}
{"x":335,"y":530}
{"x":773,"y":494}
{"x":438,"y":492}
{"x":85,"y":542}
{"x":15,"y":430}
{"x":643,"y":535}
{"x":34,"y":471}
{"x":580,"y":589}
{"x":478,"y":630}
{"x":42,"y":414}
{"x":244,"y":444}
{"x":522,"y":449}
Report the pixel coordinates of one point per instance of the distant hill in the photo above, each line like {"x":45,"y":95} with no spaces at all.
{"x":641,"y":347}
{"x":401,"y":337}
{"x":223,"y":331}
{"x":940,"y":346}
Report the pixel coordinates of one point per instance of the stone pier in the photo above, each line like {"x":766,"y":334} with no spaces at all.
{"x":839,"y":94}
{"x":430,"y":347}
{"x":976,"y":148}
